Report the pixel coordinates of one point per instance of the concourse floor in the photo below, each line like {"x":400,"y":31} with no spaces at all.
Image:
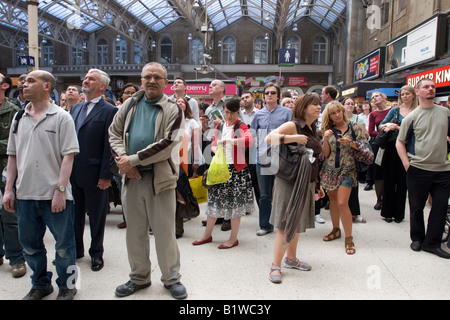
{"x":383,"y":267}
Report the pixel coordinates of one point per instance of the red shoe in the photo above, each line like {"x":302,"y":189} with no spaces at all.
{"x":222,"y":246}
{"x":199,"y":242}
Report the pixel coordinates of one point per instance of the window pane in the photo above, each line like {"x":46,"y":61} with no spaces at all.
{"x":166,"y":51}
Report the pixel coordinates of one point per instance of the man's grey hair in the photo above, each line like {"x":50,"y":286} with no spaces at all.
{"x":104,"y":78}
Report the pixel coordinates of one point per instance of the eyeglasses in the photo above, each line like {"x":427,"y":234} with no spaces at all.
{"x":270,"y":92}
{"x":155,"y":77}
{"x":129,"y":92}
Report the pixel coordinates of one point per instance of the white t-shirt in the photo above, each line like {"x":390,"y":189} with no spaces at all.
{"x":227,"y":134}
{"x":189,"y":125}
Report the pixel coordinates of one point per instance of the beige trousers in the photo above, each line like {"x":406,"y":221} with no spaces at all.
{"x":143,"y":209}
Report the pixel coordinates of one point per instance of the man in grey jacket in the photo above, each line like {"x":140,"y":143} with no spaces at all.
{"x":145,"y":138}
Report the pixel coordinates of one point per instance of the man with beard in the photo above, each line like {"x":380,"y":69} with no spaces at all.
{"x":422,"y":147}
{"x":91,"y":175}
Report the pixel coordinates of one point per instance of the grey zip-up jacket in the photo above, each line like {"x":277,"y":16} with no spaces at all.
{"x":164,"y":153}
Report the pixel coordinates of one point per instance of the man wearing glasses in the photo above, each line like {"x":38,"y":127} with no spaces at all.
{"x":145,"y":138}
{"x":270,"y":117}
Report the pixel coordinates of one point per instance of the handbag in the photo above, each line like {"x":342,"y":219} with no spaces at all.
{"x":199,"y":191}
{"x":385,"y":137}
{"x":189,"y":210}
{"x":364,"y":156}
{"x":289,"y":156}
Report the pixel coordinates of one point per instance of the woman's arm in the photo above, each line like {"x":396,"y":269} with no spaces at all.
{"x":284,"y":134}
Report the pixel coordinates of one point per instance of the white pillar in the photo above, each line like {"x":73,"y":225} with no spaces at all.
{"x":33,"y":41}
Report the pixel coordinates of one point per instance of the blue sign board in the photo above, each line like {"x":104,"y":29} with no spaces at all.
{"x":286,"y":57}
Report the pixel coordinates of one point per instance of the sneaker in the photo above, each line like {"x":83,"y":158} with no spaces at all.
{"x":296,"y":264}
{"x":177,"y":290}
{"x":38,"y":294}
{"x":319,"y":218}
{"x":262,"y":232}
{"x":18,"y":270}
{"x":66,"y":294}
{"x":275,"y":278}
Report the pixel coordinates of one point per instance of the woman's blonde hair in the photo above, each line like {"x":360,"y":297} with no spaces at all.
{"x":411,"y":89}
{"x":332,"y":106}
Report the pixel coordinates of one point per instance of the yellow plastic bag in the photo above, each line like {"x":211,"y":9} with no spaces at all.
{"x":199,"y":191}
{"x":218,"y":169}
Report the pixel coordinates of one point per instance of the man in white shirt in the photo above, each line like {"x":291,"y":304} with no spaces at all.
{"x":249,"y":111}
{"x":179,"y":88}
{"x":246,"y":115}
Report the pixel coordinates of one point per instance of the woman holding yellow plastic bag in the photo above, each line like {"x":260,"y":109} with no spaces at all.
{"x":232,"y":198}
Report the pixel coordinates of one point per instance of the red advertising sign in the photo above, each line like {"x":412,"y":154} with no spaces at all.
{"x":201,"y":89}
{"x":298,"y":81}
{"x":440,"y":76}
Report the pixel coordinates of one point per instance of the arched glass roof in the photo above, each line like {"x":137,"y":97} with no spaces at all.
{"x":151,"y":16}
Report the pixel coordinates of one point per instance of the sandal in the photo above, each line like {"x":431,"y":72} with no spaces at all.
{"x":275,"y":278}
{"x":333,"y":235}
{"x":349,"y":245}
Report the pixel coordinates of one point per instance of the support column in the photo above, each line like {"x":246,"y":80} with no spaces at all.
{"x":33,"y":40}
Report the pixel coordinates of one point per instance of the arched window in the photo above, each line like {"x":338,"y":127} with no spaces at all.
{"x":166,"y":51}
{"x":77,"y":54}
{"x":102,"y":52}
{"x":295,"y":43}
{"x":121,"y":51}
{"x":47,"y":59}
{"x":320,"y":48}
{"x":138,"y":52}
{"x":197,"y":49}
{"x":261,"y":50}
{"x":229,"y":51}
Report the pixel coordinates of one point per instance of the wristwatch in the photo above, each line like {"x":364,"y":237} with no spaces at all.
{"x":61,"y":188}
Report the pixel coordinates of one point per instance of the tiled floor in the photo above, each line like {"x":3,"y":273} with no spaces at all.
{"x":384,"y":267}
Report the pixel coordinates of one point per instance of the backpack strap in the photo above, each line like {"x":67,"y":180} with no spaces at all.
{"x":17,"y":118}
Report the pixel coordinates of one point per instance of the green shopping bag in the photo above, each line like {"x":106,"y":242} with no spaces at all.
{"x":218,"y":169}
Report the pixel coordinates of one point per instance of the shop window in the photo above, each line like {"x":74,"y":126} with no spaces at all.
{"x":121,"y":51}
{"x":166,"y":51}
{"x":320,"y":48}
{"x":229,"y":51}
{"x":77,"y":55}
{"x":261,"y":51}
{"x":197,"y":49}
{"x":295,"y":43}
{"x":102,"y":52}
{"x":47,"y":58}
{"x":138,"y":53}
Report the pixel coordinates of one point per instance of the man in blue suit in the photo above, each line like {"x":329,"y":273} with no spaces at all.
{"x":91,"y":174}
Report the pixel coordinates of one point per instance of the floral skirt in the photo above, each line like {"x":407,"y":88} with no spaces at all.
{"x":331,"y":177}
{"x":233,"y":198}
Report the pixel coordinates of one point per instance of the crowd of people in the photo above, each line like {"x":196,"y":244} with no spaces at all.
{"x":146,"y":142}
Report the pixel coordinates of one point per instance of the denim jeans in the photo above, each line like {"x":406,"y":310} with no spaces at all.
{"x":266,"y":182}
{"x":34,"y":216}
{"x":10,"y":246}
